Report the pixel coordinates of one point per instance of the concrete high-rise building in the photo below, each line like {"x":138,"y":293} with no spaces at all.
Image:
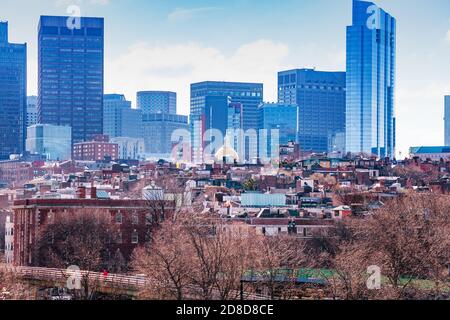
{"x":71,"y":75}
{"x":31,"y":111}
{"x":249,"y":95}
{"x":157,"y":102}
{"x":13,"y":95}
{"x":447,"y":120}
{"x":371,"y":70}
{"x":320,"y":97}
{"x":119,"y":119}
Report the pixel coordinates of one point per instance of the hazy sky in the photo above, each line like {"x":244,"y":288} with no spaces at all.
{"x":168,"y":44}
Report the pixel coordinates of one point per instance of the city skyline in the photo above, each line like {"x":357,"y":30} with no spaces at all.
{"x":321,"y":45}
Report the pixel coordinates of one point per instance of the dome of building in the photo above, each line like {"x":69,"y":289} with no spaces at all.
{"x":227,"y":152}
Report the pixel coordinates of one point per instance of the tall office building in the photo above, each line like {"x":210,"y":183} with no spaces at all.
{"x":119,"y":119}
{"x":71,"y":75}
{"x":281,"y":118}
{"x":447,"y":120}
{"x":249,"y":95}
{"x":158,"y":129}
{"x":371,"y":55}
{"x":13,"y":95}
{"x":320,"y":97}
{"x":31,"y":111}
{"x":52,"y":141}
{"x":157,"y":102}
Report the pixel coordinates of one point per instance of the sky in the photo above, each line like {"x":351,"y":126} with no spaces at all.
{"x":169,"y":44}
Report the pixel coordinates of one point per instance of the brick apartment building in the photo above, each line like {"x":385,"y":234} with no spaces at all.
{"x":14,"y":173}
{"x":95,"y":150}
{"x":135,"y":220}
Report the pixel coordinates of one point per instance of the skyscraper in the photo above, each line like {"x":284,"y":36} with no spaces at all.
{"x":158,"y":129}
{"x":447,"y":120}
{"x":371,"y":55}
{"x":52,"y":141}
{"x":119,"y":119}
{"x":157,"y":102}
{"x":281,"y":117}
{"x":249,"y":95}
{"x":320,"y":97}
{"x":71,"y":75}
{"x":31,"y":111}
{"x":13,"y":95}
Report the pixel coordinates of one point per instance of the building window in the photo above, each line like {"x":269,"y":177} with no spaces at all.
{"x":135,"y":237}
{"x":119,"y":217}
{"x":148,"y":219}
{"x":50,"y":217}
{"x":135,"y":218}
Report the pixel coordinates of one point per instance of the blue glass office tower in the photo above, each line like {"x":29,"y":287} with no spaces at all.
{"x":13,"y":95}
{"x":119,"y":119}
{"x":70,"y":75}
{"x":250,"y":95}
{"x":158,"y":129}
{"x":281,"y":117}
{"x":371,"y":54}
{"x":320,"y":97}
{"x":157,"y":102}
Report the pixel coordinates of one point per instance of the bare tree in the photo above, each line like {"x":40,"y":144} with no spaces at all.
{"x":408,"y":240}
{"x":79,"y":238}
{"x":197,"y":256}
{"x":13,"y":288}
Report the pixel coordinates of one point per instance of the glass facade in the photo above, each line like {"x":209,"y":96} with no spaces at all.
{"x":249,"y":95}
{"x":31,"y":111}
{"x":52,"y":141}
{"x":13,"y":95}
{"x":321,"y":99}
{"x":157,"y":102}
{"x":119,"y":119}
{"x":158,"y":129}
{"x":371,"y":54}
{"x":447,"y":120}
{"x":70,"y":75}
{"x":281,"y":117}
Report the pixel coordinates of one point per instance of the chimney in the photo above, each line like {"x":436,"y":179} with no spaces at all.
{"x":93,"y":192}
{"x":81,"y":193}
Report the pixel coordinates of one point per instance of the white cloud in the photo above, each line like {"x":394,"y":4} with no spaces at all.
{"x":175,"y":67}
{"x":448,"y":36}
{"x":81,"y":2}
{"x":182,"y":14}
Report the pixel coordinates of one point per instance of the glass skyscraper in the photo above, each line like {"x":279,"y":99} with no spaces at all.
{"x":71,"y":75}
{"x":31,"y":111}
{"x":52,"y":141}
{"x":157,"y":102}
{"x":158,"y":129}
{"x":447,"y":120}
{"x":13,"y":95}
{"x":119,"y":119}
{"x":371,"y":55}
{"x":249,"y":95}
{"x":320,"y":97}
